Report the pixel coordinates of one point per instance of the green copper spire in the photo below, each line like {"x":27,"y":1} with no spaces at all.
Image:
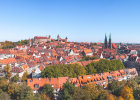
{"x":110,"y":41}
{"x":105,"y":42}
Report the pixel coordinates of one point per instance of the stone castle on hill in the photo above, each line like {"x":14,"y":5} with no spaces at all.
{"x":42,"y":40}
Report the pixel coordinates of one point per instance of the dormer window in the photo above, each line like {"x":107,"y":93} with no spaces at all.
{"x":30,"y":80}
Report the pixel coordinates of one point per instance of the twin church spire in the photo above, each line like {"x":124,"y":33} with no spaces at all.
{"x":106,"y":43}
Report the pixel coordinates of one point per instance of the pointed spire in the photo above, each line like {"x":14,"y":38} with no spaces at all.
{"x":105,"y":37}
{"x":101,"y":57}
{"x":110,"y":36}
{"x":110,"y":41}
{"x":66,"y":37}
{"x":105,"y":42}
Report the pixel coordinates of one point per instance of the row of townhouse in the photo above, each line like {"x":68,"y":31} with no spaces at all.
{"x":102,"y":79}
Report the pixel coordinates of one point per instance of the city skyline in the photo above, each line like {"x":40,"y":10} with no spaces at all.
{"x":80,"y":21}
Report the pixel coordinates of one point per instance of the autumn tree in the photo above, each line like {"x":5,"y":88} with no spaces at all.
{"x":25,"y":76}
{"x":116,"y":87}
{"x":95,"y":91}
{"x":127,"y":93}
{"x":7,"y":70}
{"x":16,"y":78}
{"x":110,"y":97}
{"x":3,"y":84}
{"x":45,"y":97}
{"x":120,"y":98}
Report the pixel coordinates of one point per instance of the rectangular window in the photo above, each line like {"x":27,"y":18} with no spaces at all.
{"x":36,"y":86}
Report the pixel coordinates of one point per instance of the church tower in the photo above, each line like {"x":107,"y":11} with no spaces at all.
{"x":105,"y":42}
{"x":66,"y":39}
{"x":110,"y":42}
{"x":30,"y":42}
{"x":58,"y":37}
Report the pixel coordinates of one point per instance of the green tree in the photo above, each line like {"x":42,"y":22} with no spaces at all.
{"x":67,"y":91}
{"x":137,"y":93}
{"x":80,"y":94}
{"x":63,"y":70}
{"x":48,"y":90}
{"x":4,"y":95}
{"x":91,"y":68}
{"x":86,"y":58}
{"x":116,"y":87}
{"x":117,"y":65}
{"x":23,"y":93}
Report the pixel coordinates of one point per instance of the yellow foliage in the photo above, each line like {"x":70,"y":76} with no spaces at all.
{"x":3,"y":82}
{"x":7,"y":68}
{"x":92,"y":90}
{"x":127,"y":93}
{"x":12,"y":88}
{"x":120,"y":98}
{"x":110,"y":97}
{"x":44,"y":96}
{"x":24,"y":77}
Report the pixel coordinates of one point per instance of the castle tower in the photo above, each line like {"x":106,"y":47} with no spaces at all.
{"x":49,"y":37}
{"x":58,"y":37}
{"x":66,"y":39}
{"x":105,"y":42}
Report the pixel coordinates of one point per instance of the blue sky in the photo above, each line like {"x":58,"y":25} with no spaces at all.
{"x":79,"y":20}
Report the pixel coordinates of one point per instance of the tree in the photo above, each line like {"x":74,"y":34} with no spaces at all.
{"x":110,"y":97}
{"x":86,"y":58}
{"x":37,"y":96}
{"x":3,"y":84}
{"x":12,"y":87}
{"x":90,"y":68}
{"x":48,"y":90}
{"x":80,"y":94}
{"x":117,"y":65}
{"x":44,"y":96}
{"x":7,"y":70}
{"x":4,"y":96}
{"x":63,"y":70}
{"x":127,"y":93}
{"x":132,"y":84}
{"x":120,"y":98}
{"x":23,"y":93}
{"x":116,"y":87}
{"x":137,"y":93}
{"x":95,"y":91}
{"x":16,"y":78}
{"x":25,"y":76}
{"x":67,"y":91}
